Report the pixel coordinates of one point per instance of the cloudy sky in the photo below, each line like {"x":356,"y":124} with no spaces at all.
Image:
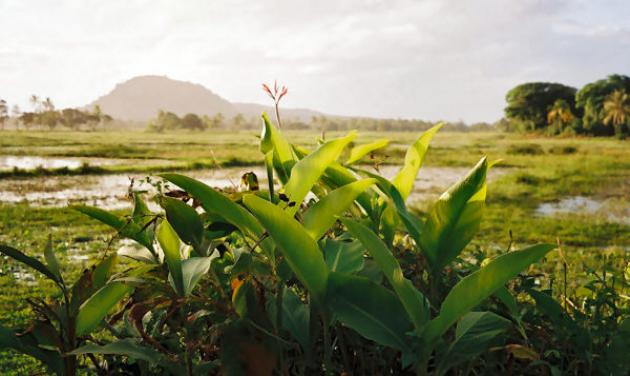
{"x":429,"y":59}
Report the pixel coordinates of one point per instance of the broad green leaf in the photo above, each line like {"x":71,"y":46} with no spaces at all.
{"x":478,"y":286}
{"x":415,"y":304}
{"x":343,"y":257}
{"x":406,"y":177}
{"x":141,"y":213}
{"x":455,"y":218}
{"x":51,"y":259}
{"x":192,"y":270}
{"x":92,"y":280}
{"x":272,"y":139}
{"x":296,"y":318}
{"x":337,"y":175}
{"x":30,"y":261}
{"x":298,"y":247}
{"x":138,"y":254}
{"x":185,"y":221}
{"x":94,"y":310}
{"x":132,"y":348}
{"x":171,"y":246}
{"x":475,"y":332}
{"x":308,"y":170}
{"x":126,"y":228}
{"x":217,"y":204}
{"x":103,"y":271}
{"x":396,"y":202}
{"x":321,"y":216}
{"x":361,"y":151}
{"x":368,"y":308}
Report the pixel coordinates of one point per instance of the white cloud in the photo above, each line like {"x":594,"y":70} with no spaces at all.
{"x":432,"y":59}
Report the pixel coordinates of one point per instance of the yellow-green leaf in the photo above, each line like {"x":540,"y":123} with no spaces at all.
{"x":98,"y":305}
{"x":308,"y":170}
{"x":318,"y":218}
{"x":406,"y":177}
{"x":455,"y":218}
{"x":298,"y":247}
{"x":169,"y":241}
{"x":361,"y":151}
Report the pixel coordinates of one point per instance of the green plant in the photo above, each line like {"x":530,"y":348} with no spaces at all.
{"x":65,"y":322}
{"x":266,"y":280}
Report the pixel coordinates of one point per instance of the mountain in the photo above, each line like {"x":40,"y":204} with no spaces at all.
{"x":140,"y":99}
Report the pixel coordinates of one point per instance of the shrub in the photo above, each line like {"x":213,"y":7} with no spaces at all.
{"x":525,"y":149}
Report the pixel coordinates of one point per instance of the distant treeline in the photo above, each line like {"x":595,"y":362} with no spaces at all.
{"x":45,"y":116}
{"x":168,"y":121}
{"x":601,"y":108}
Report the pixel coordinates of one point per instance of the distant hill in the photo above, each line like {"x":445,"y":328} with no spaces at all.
{"x":140,"y":98}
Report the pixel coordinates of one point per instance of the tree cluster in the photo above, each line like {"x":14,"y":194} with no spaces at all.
{"x":601,"y":108}
{"x":169,"y":121}
{"x":45,"y":116}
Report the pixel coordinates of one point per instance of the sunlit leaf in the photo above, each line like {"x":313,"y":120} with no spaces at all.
{"x":298,"y":247}
{"x":321,"y":216}
{"x":455,"y":218}
{"x":361,"y":151}
{"x":171,"y":246}
{"x":308,"y":170}
{"x":272,"y":140}
{"x":406,"y":177}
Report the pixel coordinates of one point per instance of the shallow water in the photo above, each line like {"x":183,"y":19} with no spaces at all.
{"x":105,"y":191}
{"x":110,"y":191}
{"x":9,"y":162}
{"x":31,"y":162}
{"x":610,"y":209}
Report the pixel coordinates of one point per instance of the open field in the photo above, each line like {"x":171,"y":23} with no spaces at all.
{"x":572,"y":190}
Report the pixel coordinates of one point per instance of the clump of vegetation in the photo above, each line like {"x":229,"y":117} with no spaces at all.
{"x":601,"y":108}
{"x":268,"y":281}
{"x":525,"y":149}
{"x":563,"y":149}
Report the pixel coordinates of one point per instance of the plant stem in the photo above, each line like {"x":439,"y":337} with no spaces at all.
{"x":279,"y":294}
{"x":327,"y":344}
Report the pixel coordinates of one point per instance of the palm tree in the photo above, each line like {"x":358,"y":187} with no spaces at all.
{"x":617,"y":109}
{"x":560,"y":115}
{"x":34,"y":99}
{"x":48,"y":104}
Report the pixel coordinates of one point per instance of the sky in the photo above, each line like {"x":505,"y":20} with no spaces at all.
{"x":424,"y":59}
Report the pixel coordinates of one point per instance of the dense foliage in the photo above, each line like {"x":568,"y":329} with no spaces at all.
{"x":601,"y":108}
{"x":347,"y":280}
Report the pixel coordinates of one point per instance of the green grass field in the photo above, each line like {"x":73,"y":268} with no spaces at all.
{"x":533,"y":171}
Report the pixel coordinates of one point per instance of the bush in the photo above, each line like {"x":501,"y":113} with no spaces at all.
{"x":525,"y":149}
{"x":563,"y":149}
